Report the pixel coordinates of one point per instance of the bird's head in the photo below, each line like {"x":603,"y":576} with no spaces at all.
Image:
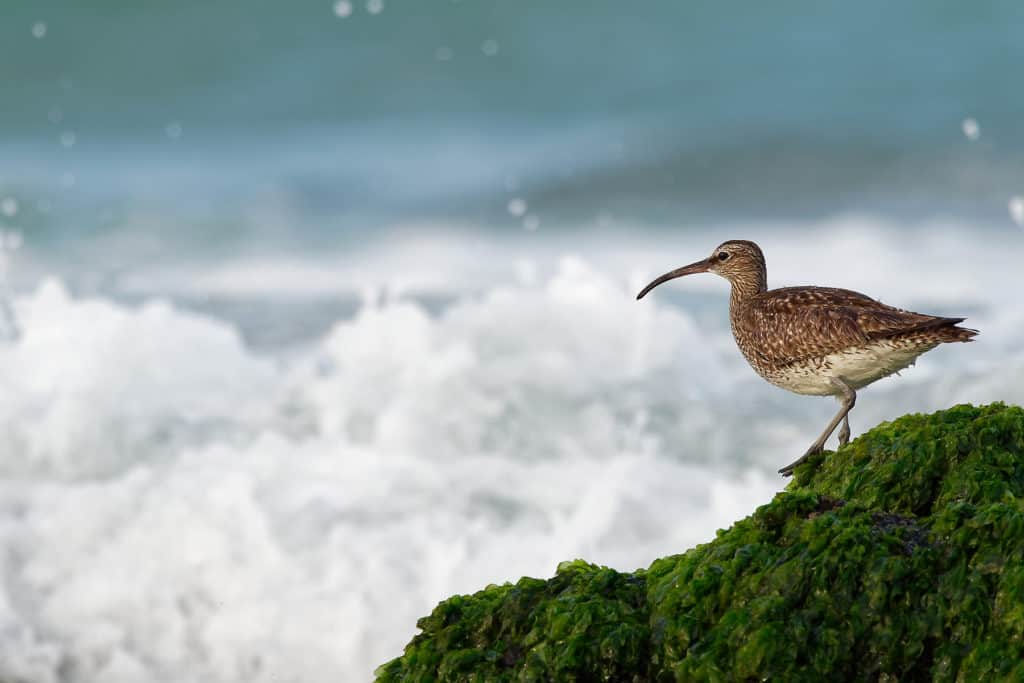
{"x":736,"y":260}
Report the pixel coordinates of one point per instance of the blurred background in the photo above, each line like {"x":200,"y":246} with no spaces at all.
{"x":313,"y":314}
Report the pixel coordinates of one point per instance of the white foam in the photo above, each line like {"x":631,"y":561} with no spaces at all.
{"x":90,"y":386}
{"x":178,"y":508}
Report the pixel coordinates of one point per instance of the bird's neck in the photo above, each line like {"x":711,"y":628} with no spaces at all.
{"x":747,"y":285}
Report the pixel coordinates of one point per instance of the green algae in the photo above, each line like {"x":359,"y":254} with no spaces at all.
{"x":587,"y":623}
{"x":898,"y":558}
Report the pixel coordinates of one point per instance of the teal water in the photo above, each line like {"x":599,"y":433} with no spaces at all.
{"x":444,"y":110}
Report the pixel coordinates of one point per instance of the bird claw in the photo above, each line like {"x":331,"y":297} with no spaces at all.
{"x":815,"y":449}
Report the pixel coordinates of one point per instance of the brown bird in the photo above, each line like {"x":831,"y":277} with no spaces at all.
{"x":817,"y":341}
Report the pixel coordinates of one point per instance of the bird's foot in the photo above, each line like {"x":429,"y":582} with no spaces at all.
{"x":815,"y":449}
{"x":844,"y":435}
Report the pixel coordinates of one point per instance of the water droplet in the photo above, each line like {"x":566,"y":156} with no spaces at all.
{"x":971,"y":129}
{"x":489,"y":47}
{"x":9,"y":206}
{"x":517,"y":206}
{"x":531,"y":223}
{"x":1016,"y":207}
{"x":443,"y":54}
{"x":55,"y":115}
{"x":68,"y":138}
{"x":173,"y":130}
{"x":343,"y":8}
{"x":39,"y":29}
{"x":374,"y":6}
{"x":68,"y":180}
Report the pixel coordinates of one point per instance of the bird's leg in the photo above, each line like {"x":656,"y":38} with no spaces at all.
{"x":848,"y":397}
{"x":844,"y":431}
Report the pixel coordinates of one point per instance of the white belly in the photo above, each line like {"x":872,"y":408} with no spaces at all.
{"x":858,"y":367}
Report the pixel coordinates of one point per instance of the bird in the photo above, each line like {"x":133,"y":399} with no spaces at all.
{"x":817,"y":341}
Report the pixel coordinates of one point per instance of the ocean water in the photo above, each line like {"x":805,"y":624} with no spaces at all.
{"x":312,"y":315}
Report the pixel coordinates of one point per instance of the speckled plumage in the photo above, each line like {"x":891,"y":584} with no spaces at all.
{"x":817,"y":340}
{"x":786,"y":334}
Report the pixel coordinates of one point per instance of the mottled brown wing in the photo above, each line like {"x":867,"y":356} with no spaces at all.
{"x":794,"y":323}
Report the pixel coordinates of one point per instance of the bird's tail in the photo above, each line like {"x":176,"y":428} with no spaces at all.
{"x":949,"y":331}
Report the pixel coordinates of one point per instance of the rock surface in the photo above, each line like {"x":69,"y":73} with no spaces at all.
{"x":898,"y":558}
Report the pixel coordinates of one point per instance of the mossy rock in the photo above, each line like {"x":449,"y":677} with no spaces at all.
{"x":898,"y":558}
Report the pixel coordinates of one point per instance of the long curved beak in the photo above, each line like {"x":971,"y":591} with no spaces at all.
{"x":698,"y":267}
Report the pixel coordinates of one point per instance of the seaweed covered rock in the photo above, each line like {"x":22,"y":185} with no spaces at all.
{"x":588,"y":622}
{"x":898,"y":558}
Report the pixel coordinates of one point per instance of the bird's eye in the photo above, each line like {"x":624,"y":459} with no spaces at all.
{"x":723,"y":256}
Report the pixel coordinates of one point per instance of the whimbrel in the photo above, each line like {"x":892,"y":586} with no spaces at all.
{"x":817,"y":341}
